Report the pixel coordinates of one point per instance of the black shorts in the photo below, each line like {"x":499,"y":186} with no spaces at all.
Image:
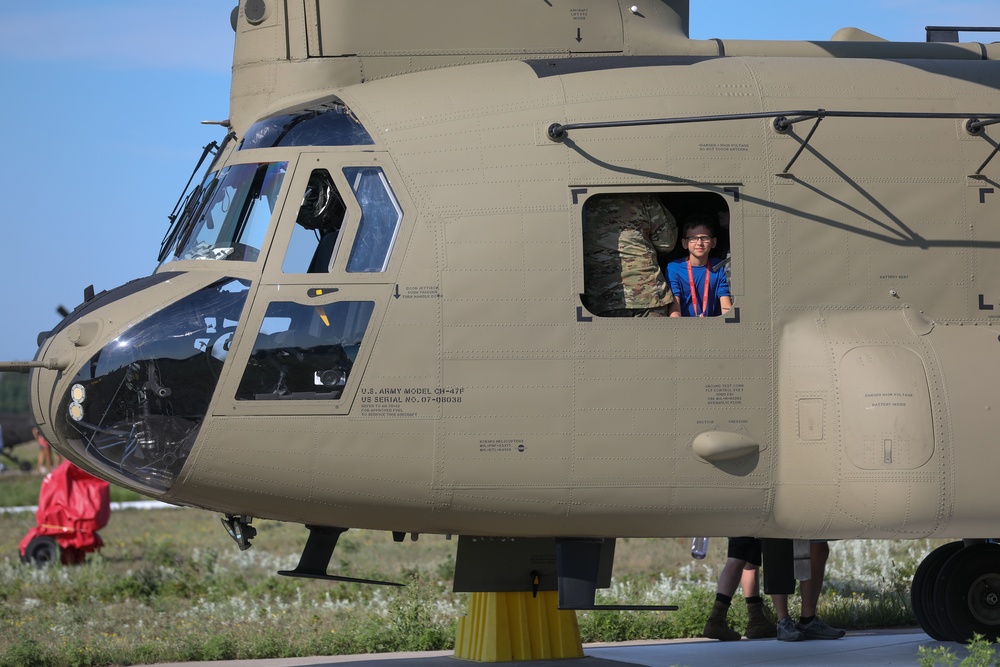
{"x":745,"y":548}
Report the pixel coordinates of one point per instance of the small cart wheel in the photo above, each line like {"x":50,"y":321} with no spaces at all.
{"x":41,"y":551}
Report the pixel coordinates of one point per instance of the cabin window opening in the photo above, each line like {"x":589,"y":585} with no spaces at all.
{"x":380,"y":219}
{"x":305,"y":352}
{"x":316,"y":235}
{"x":630,"y":240}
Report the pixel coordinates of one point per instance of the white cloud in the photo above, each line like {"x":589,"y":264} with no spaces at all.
{"x":182,"y":35}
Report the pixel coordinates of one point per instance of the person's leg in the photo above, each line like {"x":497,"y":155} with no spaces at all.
{"x":809,"y":625}
{"x":758,"y":625}
{"x":749,"y":581}
{"x":716,"y":626}
{"x":819,"y":552}
{"x":786,"y":630}
{"x":730,"y":577}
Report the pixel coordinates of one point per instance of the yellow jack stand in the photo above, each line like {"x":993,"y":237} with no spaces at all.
{"x":503,"y":627}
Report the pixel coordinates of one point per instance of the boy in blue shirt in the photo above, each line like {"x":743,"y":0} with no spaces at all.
{"x":694,"y":296}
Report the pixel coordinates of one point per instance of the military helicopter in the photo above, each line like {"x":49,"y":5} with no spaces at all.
{"x":369,"y":309}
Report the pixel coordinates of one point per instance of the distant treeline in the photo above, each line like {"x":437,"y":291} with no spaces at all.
{"x":14,"y":396}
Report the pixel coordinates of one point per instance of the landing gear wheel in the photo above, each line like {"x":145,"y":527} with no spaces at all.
{"x":922,"y":589}
{"x":967,"y":595}
{"x":41,"y":551}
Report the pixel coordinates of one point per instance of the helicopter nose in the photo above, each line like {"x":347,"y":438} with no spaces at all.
{"x":128,"y":402}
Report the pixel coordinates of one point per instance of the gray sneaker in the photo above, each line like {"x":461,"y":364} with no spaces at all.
{"x":787,"y":632}
{"x":817,"y":629}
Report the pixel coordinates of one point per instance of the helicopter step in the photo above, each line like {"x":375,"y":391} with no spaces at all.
{"x":316,"y":558}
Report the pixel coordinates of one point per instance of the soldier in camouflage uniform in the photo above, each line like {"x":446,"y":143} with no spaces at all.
{"x":621,"y":237}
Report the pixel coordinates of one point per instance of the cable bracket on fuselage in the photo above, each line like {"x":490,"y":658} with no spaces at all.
{"x":783,"y":120}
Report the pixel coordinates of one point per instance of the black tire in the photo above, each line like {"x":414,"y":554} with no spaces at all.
{"x":969,"y":587}
{"x":922,"y":590}
{"x":41,"y":551}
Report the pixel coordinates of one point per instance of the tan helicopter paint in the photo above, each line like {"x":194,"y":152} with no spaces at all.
{"x":851,"y":395}
{"x":607,"y":410}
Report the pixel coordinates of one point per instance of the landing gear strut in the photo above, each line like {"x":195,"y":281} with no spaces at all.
{"x":956,"y":592}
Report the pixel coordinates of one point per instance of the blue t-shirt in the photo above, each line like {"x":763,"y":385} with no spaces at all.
{"x":680,"y":285}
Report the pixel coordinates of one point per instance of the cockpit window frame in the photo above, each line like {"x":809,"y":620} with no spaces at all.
{"x":252,"y":321}
{"x":335,"y":164}
{"x":246,"y":157}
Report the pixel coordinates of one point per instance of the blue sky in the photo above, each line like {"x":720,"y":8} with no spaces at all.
{"x":101,"y":107}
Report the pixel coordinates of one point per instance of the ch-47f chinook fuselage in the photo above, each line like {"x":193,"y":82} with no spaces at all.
{"x":368,"y":313}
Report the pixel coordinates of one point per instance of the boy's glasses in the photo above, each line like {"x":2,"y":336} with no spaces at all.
{"x":699,"y":239}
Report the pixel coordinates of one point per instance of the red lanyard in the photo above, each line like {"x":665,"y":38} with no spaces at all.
{"x":694,"y":292}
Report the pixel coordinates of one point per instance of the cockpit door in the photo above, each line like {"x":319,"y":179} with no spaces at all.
{"x":303,"y":351}
{"x":329,"y":275}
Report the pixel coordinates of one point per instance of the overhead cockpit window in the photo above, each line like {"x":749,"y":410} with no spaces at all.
{"x":317,"y":227}
{"x":380,"y":218}
{"x":232,"y":214}
{"x":305,"y":352}
{"x":326,"y":125}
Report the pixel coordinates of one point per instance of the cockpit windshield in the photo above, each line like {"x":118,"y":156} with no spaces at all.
{"x":230,"y":216}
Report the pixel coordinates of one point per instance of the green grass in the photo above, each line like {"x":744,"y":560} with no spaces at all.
{"x":979,"y":653}
{"x":170,"y":585}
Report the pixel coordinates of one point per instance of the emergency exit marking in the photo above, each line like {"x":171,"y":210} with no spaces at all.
{"x":983,"y":192}
{"x":982,"y":303}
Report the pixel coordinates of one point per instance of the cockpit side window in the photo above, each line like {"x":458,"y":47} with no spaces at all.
{"x":380,"y":220}
{"x":305,"y":352}
{"x":316,"y":235}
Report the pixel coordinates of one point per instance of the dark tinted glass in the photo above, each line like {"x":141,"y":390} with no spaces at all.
{"x":136,"y":407}
{"x":332,"y":125}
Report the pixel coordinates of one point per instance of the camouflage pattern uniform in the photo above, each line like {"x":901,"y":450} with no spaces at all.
{"x":621,"y":237}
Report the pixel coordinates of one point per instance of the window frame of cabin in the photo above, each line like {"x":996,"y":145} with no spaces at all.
{"x":674,"y":199}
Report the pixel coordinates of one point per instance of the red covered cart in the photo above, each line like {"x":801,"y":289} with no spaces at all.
{"x":72,"y":506}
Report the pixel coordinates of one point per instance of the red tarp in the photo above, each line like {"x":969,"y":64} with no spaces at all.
{"x":72,"y":506}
